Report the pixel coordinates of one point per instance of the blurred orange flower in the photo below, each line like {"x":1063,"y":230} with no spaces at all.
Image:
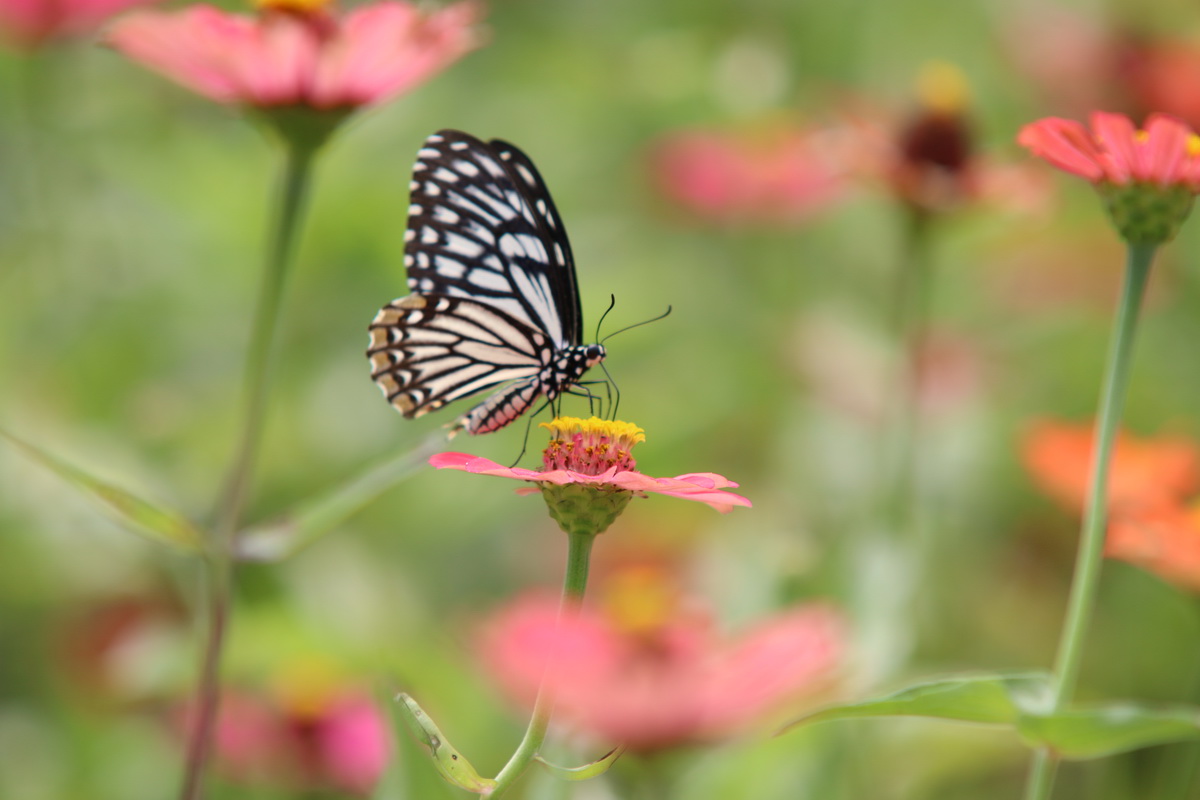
{"x":299,"y":52}
{"x":1145,"y":473}
{"x":1165,"y":541}
{"x":647,"y":669}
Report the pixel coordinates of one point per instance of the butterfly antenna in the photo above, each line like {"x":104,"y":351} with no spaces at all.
{"x":612,"y":303}
{"x":663,"y":315}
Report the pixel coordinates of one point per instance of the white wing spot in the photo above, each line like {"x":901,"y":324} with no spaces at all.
{"x":446,"y":215}
{"x":466,"y":168}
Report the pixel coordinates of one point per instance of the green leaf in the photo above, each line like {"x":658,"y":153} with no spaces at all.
{"x":993,"y":699}
{"x":138,"y":515}
{"x":449,"y":763}
{"x":590,"y":770}
{"x":1083,"y":733}
{"x":280,"y":538}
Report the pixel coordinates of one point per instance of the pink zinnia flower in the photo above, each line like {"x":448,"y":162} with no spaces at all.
{"x":299,"y":53}
{"x":778,"y":176}
{"x":333,"y":738}
{"x":1116,"y":152}
{"x":31,"y":23}
{"x":594,"y":455}
{"x":1147,"y":178}
{"x":673,"y":683}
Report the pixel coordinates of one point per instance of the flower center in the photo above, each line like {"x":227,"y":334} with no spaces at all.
{"x":942,"y":88}
{"x":302,"y":8}
{"x":592,"y":446}
{"x":640,"y":600}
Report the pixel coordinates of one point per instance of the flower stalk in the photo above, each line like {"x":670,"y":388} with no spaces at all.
{"x":579,"y":550}
{"x":1089,"y":559}
{"x":228,"y":514}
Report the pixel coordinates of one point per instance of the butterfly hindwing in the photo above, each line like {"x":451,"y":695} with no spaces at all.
{"x":429,"y":351}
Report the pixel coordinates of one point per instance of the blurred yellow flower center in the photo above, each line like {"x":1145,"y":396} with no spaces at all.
{"x":303,"y":7}
{"x":305,"y":688}
{"x":640,"y":600}
{"x":1193,"y":145}
{"x":942,"y":87}
{"x":591,"y":446}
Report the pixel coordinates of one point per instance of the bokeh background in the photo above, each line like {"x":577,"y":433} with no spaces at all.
{"x":132,"y":218}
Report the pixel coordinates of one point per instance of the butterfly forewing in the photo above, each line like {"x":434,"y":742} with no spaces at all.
{"x":494,"y":299}
{"x":482,"y":225}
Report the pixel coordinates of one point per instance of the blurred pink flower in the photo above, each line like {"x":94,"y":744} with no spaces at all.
{"x":1114,"y":151}
{"x":335,"y":740}
{"x":299,"y":54}
{"x":777,"y":176}
{"x":31,"y":23}
{"x":660,"y":686}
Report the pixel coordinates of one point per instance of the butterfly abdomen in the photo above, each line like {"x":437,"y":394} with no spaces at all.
{"x":506,"y":405}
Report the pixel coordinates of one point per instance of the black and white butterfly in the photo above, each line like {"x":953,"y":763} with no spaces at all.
{"x":493,"y":295}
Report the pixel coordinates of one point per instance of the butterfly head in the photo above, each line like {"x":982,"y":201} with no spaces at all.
{"x":593,"y":354}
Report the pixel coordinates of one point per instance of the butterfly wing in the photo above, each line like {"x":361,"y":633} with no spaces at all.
{"x":429,"y":351}
{"x":482,"y":225}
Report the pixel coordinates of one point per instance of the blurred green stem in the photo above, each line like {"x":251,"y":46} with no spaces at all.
{"x":579,"y":551}
{"x":219,"y":584}
{"x":1091,"y":543}
{"x":911,"y":310}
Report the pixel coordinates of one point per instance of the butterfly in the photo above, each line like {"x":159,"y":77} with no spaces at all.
{"x":493,"y":299}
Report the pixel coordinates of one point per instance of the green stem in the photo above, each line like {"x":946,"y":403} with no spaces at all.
{"x":1091,"y":544}
{"x":219,"y":566}
{"x":910,"y":312}
{"x":579,"y":550}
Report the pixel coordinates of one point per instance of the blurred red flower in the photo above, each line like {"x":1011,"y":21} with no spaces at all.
{"x":1145,"y":473}
{"x":1161,"y":75}
{"x":299,"y":53}
{"x":334,"y":738}
{"x":781,"y":175}
{"x":31,"y":23}
{"x":649,"y":674}
{"x":929,"y":159}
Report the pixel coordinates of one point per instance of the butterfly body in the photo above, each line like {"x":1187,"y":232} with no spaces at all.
{"x":494,"y":300}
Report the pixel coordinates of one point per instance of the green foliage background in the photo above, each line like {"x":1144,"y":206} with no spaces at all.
{"x":132,"y":218}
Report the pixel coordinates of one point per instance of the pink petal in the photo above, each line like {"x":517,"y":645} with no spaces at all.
{"x":354,"y":745}
{"x":1117,"y":135}
{"x":32,"y":22}
{"x":1165,"y":148}
{"x":481,"y":466}
{"x":1064,"y":143}
{"x":192,"y":47}
{"x":781,"y":658}
{"x":388,"y":48}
